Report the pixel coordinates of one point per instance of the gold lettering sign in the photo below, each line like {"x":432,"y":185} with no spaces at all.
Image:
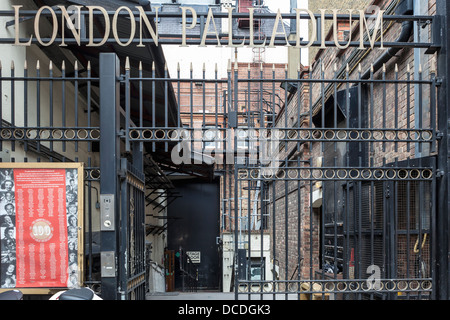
{"x":209,"y":28}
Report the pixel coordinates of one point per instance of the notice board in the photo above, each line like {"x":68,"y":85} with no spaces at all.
{"x":41,"y":219}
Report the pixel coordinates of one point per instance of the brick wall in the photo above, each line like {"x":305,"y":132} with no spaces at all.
{"x":384,"y":115}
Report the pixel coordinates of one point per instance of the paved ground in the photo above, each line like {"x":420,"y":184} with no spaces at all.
{"x":203,"y":295}
{"x":211,"y":295}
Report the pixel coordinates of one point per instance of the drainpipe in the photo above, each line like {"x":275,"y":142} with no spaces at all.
{"x":407,"y":8}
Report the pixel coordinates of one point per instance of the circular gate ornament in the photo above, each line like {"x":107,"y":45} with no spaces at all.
{"x":41,"y":230}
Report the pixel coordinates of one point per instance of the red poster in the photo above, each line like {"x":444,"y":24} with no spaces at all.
{"x":41,"y":230}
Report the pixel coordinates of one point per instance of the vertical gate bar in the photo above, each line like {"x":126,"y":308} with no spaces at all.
{"x":286,"y":189}
{"x":384,"y":103}
{"x":166,"y":103}
{"x":274,"y":252}
{"x":203,"y":96}
{"x":263,"y":211}
{"x":63,"y":102}
{"x":372,"y":108}
{"x":89,"y":223}
{"x":76,"y":102}
{"x":359,"y":106}
{"x":335,"y":104}
{"x":420,"y":216}
{"x":299,"y":192}
{"x":408,"y":226}
{"x":51,"y":99}
{"x":420,"y":95}
{"x":191,"y":122}
{"x":216,"y":103}
{"x":109,"y":158}
{"x":433,"y":111}
{"x":372,"y":226}
{"x":396,"y":239}
{"x":89,"y":102}
{"x":249,"y":254}
{"x":25,"y":103}
{"x":141,"y":103}
{"x":433,"y":243}
{"x":127,"y":105}
{"x":335,"y":219}
{"x":178,"y":96}
{"x":153,"y":103}
{"x":124,"y":234}
{"x":13,"y":102}
{"x":236,"y":185}
{"x":396,"y":106}
{"x":385,"y":234}
{"x":408,"y":104}
{"x":38,"y":100}
{"x":1,"y":106}
{"x":310,"y":229}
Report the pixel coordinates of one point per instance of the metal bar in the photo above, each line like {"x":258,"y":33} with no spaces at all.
{"x":13,"y":102}
{"x":109,"y":147}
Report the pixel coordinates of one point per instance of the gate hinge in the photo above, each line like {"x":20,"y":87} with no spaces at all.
{"x":121,"y":133}
{"x":439,"y":135}
{"x":440,"y":173}
{"x":439,"y":81}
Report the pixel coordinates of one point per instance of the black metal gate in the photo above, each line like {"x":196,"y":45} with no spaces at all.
{"x":333,"y":182}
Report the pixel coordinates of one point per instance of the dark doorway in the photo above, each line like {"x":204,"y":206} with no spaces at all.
{"x":195,"y":230}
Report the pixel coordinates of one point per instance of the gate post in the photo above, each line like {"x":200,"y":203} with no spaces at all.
{"x":109,"y":166}
{"x":442,"y":183}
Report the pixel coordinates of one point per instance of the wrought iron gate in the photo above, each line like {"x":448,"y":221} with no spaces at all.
{"x":331,"y":180}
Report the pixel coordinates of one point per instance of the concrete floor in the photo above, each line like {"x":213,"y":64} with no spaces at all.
{"x":212,"y":295}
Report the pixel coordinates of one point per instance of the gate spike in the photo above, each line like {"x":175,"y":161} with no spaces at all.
{"x":235,"y":66}
{"x":408,"y":69}
{"x":229,"y":65}
{"x":204,"y":66}
{"x":359,"y":68}
{"x":50,"y":65}
{"x":384,"y":68}
{"x":335,"y":67}
{"x":63,"y":65}
{"x":216,"y":69}
{"x":25,"y":65}
{"x":12,"y":64}
{"x":420,"y":68}
{"x":153,"y":66}
{"x":178,"y":66}
{"x":0,"y":64}
{"x":127,"y":63}
{"x":299,"y":67}
{"x":89,"y":65}
{"x":38,"y":65}
{"x":371,"y":68}
{"x":248,"y":67}
{"x":191,"y":67}
{"x":76,"y":65}
{"x":347,"y":68}
{"x":140,"y":65}
{"x":396,"y":68}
